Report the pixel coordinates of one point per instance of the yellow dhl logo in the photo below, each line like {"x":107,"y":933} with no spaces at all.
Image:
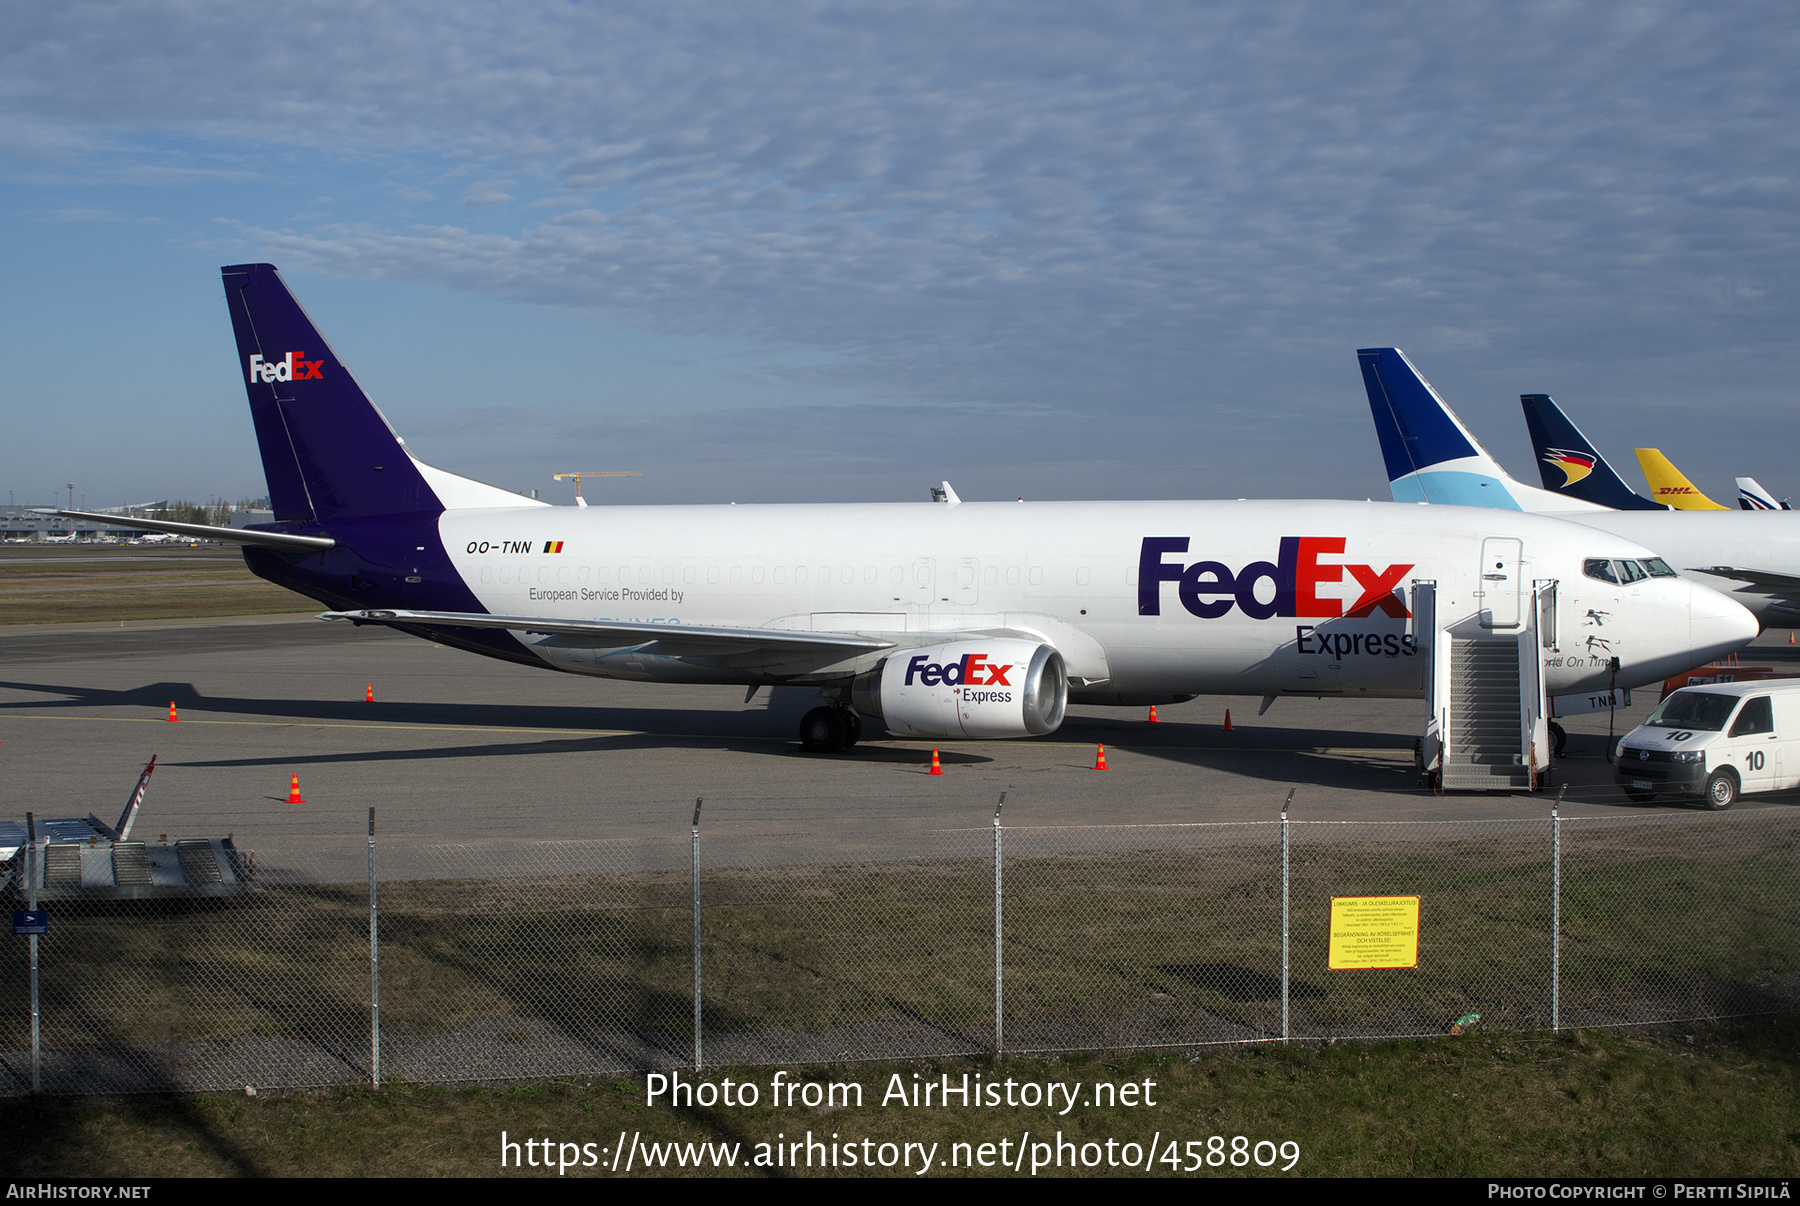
{"x":1674,"y":489}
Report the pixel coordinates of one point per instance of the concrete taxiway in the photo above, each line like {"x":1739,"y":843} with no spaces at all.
{"x":457,"y":748}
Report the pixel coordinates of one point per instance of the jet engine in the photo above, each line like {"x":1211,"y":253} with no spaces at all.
{"x":1004,"y":687}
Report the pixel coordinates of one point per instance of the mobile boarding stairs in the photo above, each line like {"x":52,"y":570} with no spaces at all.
{"x":1487,"y":720}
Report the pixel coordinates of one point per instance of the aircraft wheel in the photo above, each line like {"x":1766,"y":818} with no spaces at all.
{"x":852,"y":729}
{"x":822,"y":731}
{"x":1558,"y":739}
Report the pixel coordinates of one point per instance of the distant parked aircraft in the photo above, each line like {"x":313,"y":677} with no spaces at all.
{"x":1668,"y":484}
{"x":1431,"y":457}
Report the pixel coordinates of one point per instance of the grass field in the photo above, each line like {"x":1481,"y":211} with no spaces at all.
{"x":1722,"y":1102}
{"x":486,"y":977}
{"x":55,"y":584}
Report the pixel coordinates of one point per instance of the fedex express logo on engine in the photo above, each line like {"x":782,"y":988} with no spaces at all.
{"x":292,"y":367}
{"x":1209,"y":589}
{"x":973,"y":670}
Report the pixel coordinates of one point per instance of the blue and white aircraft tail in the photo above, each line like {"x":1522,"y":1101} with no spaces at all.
{"x":1752,"y":497}
{"x":1570,"y":464}
{"x":1430,"y":456}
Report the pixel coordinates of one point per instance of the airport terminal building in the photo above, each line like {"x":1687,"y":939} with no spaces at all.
{"x":32,"y":523}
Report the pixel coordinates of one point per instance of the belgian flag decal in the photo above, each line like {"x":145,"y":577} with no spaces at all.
{"x":553,"y":546}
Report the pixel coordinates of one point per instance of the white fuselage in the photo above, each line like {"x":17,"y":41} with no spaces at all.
{"x":1072,"y":575}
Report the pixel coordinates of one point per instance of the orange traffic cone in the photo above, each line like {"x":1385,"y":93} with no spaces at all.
{"x":1227,"y":728}
{"x":1790,"y":636}
{"x":294,"y":792}
{"x":1100,"y":760}
{"x":172,"y":715}
{"x":1152,"y":713}
{"x":369,"y":695}
{"x":936,"y":767}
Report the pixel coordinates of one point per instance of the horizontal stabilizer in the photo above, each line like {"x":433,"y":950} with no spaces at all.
{"x":205,"y":531}
{"x":622,"y":633}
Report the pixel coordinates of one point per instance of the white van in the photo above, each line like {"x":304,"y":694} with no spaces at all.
{"x":1717,"y":741}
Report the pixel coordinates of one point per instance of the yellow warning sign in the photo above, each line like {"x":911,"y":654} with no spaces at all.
{"x":1374,"y":932}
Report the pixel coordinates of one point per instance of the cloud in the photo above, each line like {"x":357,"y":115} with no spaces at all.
{"x":1170,"y":208}
{"x":487,"y":193}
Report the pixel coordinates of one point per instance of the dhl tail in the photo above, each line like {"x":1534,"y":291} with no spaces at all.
{"x":1668,"y":485}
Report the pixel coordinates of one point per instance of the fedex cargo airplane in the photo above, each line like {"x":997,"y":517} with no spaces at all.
{"x":1432,"y":457}
{"x":940,"y":619}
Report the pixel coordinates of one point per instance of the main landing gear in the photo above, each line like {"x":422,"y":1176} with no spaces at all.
{"x":1558,"y":739}
{"x":829,"y":729}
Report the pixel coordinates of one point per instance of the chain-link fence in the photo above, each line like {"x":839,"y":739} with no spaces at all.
{"x":522,"y":959}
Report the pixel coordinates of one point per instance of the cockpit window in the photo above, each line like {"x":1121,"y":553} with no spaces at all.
{"x":1622,"y":572}
{"x":1706,"y":710}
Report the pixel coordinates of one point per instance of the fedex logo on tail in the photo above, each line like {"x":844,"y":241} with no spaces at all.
{"x":292,"y":367}
{"x":1209,"y":589}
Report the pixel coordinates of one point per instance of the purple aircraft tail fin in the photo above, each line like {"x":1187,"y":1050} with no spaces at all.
{"x":327,"y":452}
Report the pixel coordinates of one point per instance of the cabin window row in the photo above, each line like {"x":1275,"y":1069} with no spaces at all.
{"x":800,"y":575}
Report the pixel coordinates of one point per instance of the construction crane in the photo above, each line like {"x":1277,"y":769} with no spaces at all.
{"x":582,"y":502}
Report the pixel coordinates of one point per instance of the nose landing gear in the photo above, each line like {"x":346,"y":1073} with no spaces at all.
{"x":829,"y":729}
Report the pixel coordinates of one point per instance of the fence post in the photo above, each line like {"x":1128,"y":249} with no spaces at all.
{"x":31,"y":891}
{"x":696,"y":825}
{"x":1284,"y":913}
{"x":374,"y":968}
{"x":999,"y":996}
{"x":1556,"y":913}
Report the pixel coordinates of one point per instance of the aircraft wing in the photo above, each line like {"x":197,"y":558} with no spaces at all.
{"x":285,"y":541}
{"x":1775,"y":584}
{"x":670,"y":638}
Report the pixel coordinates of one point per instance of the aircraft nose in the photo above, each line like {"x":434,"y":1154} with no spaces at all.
{"x":1717,"y":624}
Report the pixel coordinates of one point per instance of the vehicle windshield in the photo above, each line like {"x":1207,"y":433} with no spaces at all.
{"x":1704,"y":710}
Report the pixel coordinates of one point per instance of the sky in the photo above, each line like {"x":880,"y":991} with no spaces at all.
{"x":840,"y":251}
